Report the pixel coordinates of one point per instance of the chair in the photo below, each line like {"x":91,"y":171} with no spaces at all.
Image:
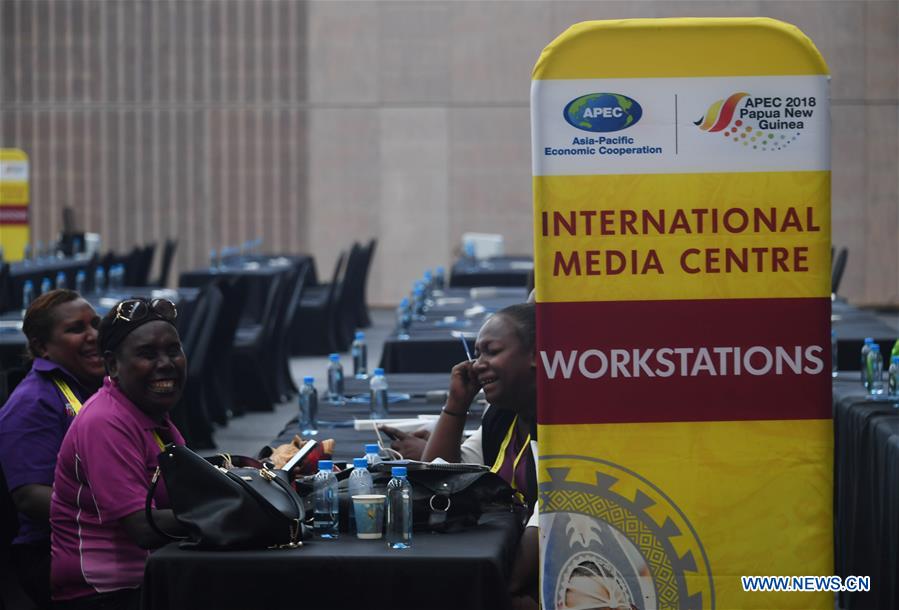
{"x":255,"y":353}
{"x":363,"y":320}
{"x":317,"y":315}
{"x":218,"y":378}
{"x":6,"y":301}
{"x":196,"y":342}
{"x":165,"y":265}
{"x":839,"y":266}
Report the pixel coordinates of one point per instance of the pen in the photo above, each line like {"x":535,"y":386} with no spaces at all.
{"x":465,"y":345}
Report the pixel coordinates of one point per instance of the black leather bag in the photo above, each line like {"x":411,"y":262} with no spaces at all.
{"x":447,"y":497}
{"x":227,"y":507}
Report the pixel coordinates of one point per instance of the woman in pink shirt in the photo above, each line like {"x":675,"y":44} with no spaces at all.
{"x":100,"y":538}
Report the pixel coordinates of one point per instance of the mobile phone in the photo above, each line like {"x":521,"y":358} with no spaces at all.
{"x":387,"y":433}
{"x":299,"y":456}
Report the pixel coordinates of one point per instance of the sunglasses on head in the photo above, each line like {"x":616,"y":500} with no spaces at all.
{"x":135,"y":310}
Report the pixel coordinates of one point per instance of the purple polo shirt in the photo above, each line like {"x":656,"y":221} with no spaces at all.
{"x":102,"y":474}
{"x":33,"y":423}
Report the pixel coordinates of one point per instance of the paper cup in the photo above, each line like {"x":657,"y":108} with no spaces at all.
{"x":369,"y":511}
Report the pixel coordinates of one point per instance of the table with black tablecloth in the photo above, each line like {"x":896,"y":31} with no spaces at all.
{"x":512,"y":270}
{"x":466,"y":569}
{"x":36,"y":271}
{"x":426,"y":397}
{"x":851,"y":326}
{"x":432,"y":343}
{"x":866,"y":493}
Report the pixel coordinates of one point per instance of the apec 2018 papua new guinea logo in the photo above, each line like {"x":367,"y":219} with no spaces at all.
{"x":762,"y":122}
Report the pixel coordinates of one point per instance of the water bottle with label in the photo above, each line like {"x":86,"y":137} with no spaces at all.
{"x":360,"y":356}
{"x":875,"y":370}
{"x":308,"y":402}
{"x":372,"y":454}
{"x":359,"y":484}
{"x":895,"y":350}
{"x":335,"y":380}
{"x":99,"y":280}
{"x":27,"y":295}
{"x":833,"y":354}
{"x":893,"y":378}
{"x":27,"y":253}
{"x":46,"y":285}
{"x":80,"y":281}
{"x":399,"y":510}
{"x":60,"y":280}
{"x":379,"y":400}
{"x":440,"y":278}
{"x":324,"y":494}
{"x":213,"y":259}
{"x":866,"y":347}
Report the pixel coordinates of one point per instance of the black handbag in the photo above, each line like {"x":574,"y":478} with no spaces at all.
{"x":447,"y":497}
{"x":227,"y":507}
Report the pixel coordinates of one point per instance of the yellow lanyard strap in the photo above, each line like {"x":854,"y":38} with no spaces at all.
{"x":72,"y":401}
{"x":75,"y":405}
{"x":500,"y":458}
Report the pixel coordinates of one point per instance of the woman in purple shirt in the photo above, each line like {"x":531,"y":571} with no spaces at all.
{"x":100,"y":536}
{"x":61,"y":329}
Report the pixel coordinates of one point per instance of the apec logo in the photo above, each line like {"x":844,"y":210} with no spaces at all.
{"x":602,"y":112}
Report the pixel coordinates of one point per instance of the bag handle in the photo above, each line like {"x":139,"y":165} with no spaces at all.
{"x":148,"y":511}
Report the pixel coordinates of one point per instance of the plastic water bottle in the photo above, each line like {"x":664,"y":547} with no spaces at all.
{"x":60,"y":280}
{"x":80,"y":280}
{"x":213,"y":259}
{"x":875,"y":370}
{"x":27,"y":253}
{"x":440,"y":278}
{"x":99,"y":280}
{"x":324,"y":487}
{"x":418,"y":302}
{"x":833,"y":354}
{"x":46,"y":286}
{"x":404,"y":318}
{"x":895,"y":350}
{"x":399,"y":510}
{"x":335,"y":380}
{"x":864,"y":363}
{"x":372,"y":454}
{"x":308,"y":407}
{"x":360,"y":356}
{"x":893,"y":378}
{"x":359,"y":484}
{"x":27,"y":295}
{"x":378,"y":387}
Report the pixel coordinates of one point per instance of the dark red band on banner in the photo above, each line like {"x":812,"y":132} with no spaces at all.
{"x":658,"y":361}
{"x":13,"y":214}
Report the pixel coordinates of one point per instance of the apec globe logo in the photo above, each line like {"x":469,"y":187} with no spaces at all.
{"x":602,"y":112}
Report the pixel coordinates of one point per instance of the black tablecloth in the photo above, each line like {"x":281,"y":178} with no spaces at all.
{"x":494,"y":271}
{"x":866,"y":494}
{"x":432,"y":344}
{"x":336,"y":422}
{"x":465,"y":569}
{"x":36,"y":271}
{"x":852,"y":325}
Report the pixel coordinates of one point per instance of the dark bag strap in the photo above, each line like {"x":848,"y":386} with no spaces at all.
{"x":148,"y":510}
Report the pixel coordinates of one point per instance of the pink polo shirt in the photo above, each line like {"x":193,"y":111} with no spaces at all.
{"x":103,"y":472}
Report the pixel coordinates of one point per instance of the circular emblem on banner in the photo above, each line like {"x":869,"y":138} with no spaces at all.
{"x":602,"y":112}
{"x":612,"y":539}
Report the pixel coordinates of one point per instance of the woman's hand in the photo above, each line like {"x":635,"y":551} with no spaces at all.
{"x":409,"y":445}
{"x":463,"y":388}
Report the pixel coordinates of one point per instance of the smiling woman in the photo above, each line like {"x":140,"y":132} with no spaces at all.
{"x":66,"y":369}
{"x":100,"y":536}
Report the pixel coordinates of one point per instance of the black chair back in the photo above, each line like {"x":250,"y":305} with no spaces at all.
{"x":839,"y":266}
{"x":165,"y":265}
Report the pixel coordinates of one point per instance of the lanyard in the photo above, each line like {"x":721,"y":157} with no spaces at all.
{"x":73,"y":405}
{"x":500,"y":457}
